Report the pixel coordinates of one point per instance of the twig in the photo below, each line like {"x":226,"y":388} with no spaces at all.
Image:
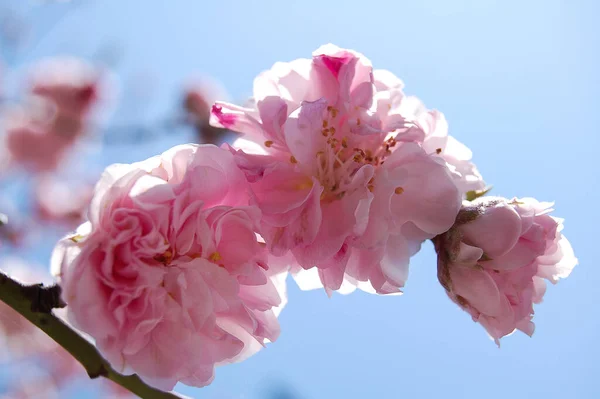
{"x":35,"y":303}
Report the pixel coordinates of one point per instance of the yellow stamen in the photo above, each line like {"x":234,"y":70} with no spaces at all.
{"x":307,"y":183}
{"x":399,"y":190}
{"x":76,"y":238}
{"x":268,"y":143}
{"x":165,"y":258}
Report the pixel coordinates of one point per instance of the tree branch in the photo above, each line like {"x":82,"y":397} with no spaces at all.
{"x":35,"y":303}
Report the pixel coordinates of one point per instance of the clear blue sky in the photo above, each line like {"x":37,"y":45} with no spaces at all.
{"x":518,"y":82}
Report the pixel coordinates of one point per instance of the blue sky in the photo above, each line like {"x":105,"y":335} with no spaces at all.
{"x":518,"y":82}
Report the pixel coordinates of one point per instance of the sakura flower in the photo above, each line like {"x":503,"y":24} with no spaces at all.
{"x":38,"y":135}
{"x":493,"y":262}
{"x":70,"y":84}
{"x":341,"y":178}
{"x":31,"y":141}
{"x":168,"y":275}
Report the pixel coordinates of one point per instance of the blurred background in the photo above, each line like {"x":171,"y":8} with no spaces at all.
{"x":518,"y":82}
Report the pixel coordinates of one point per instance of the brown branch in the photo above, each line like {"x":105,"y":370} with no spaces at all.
{"x":35,"y":303}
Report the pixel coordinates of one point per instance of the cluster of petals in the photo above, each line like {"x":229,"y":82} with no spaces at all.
{"x":62,"y":93}
{"x":350,"y":174}
{"x":169,"y":276}
{"x":339,"y":177}
{"x":494,"y":261}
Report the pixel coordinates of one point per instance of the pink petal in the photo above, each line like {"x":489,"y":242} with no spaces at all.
{"x":496,"y":231}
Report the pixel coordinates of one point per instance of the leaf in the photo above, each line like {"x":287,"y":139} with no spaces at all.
{"x":76,"y":238}
{"x":474,"y":194}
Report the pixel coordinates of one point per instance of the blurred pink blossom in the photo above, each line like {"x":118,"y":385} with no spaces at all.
{"x":168,"y":276}
{"x":494,"y":263}
{"x":37,"y":136}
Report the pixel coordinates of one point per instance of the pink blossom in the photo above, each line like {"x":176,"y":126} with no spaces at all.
{"x":70,"y":84}
{"x":168,"y":276}
{"x":494,"y":261}
{"x":37,"y":136}
{"x":341,"y":177}
{"x":32,"y":142}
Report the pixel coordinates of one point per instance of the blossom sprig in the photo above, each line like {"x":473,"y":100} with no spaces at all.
{"x":339,"y":177}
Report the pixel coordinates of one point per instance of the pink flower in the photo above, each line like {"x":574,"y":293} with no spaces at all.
{"x":38,"y":136}
{"x":70,"y":84}
{"x":168,"y":276}
{"x":340,"y":176}
{"x":32,"y":142}
{"x":493,"y":262}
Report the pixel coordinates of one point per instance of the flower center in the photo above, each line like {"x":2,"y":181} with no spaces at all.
{"x":344,"y":153}
{"x":165,"y":258}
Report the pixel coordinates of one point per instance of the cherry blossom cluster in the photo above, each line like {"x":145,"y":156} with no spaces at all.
{"x":169,"y":275}
{"x":338,"y":178}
